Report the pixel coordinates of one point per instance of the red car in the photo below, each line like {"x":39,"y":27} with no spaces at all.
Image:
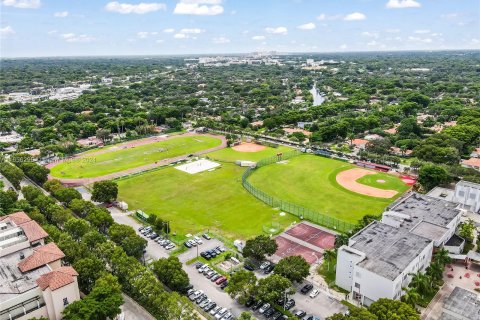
{"x":221,"y":280}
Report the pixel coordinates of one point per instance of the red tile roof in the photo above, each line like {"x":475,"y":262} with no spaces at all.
{"x":358,"y":142}
{"x":473,"y":162}
{"x":31,"y":228}
{"x":57,"y":278}
{"x":40,"y":257}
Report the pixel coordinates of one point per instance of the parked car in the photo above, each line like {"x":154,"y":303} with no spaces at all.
{"x":221,"y":280}
{"x":250,"y":302}
{"x":192,"y":243}
{"x":264,"y":308}
{"x":314,"y":293}
{"x":269,"y":312}
{"x":290,"y":304}
{"x":206,"y":236}
{"x":201,"y":298}
{"x":153,"y":236}
{"x":306,"y":288}
{"x":215,"y":277}
{"x":187,"y":244}
{"x":210,"y":306}
{"x":215,"y":310}
{"x":190,"y":291}
{"x":224,"y":285}
{"x":248,"y":267}
{"x":269,"y":269}
{"x":276,"y":315}
{"x":227,"y":316}
{"x":198,"y":240}
{"x":140,"y":229}
{"x":170,"y":246}
{"x":257,"y":305}
{"x":198,"y":265}
{"x":220,"y":313}
{"x":204,"y":303}
{"x":264,"y":265}
{"x":299,"y":314}
{"x":195,"y":295}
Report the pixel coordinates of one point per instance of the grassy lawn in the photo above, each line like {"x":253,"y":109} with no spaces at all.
{"x":123,"y":159}
{"x":228,"y":154}
{"x":309,"y":181}
{"x":213,"y":201}
{"x":391,"y":182}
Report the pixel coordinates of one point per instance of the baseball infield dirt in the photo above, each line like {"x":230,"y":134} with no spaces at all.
{"x":348,"y":180}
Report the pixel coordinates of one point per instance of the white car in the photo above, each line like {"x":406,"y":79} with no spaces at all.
{"x":264,"y":308}
{"x":215,"y":310}
{"x":203,"y":268}
{"x":264,"y":265}
{"x":227,"y":316}
{"x":198,"y":240}
{"x":192,"y":242}
{"x":314,"y":293}
{"x":220,"y":313}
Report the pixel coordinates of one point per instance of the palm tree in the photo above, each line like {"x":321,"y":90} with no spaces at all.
{"x":411,"y":296}
{"x":421,"y":283}
{"x":442,"y":257}
{"x":329,"y":255}
{"x":340,"y":240}
{"x":435,"y":270}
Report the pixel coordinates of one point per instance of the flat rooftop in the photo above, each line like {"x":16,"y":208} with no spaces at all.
{"x":442,"y":194}
{"x":12,"y":280}
{"x":388,"y":250}
{"x":426,"y":209}
{"x":463,"y":303}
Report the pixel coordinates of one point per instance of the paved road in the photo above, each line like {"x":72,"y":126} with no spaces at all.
{"x":133,"y":311}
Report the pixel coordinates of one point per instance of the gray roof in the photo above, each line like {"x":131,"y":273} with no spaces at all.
{"x":388,"y":250}
{"x":426,"y":209}
{"x":463,"y":303}
{"x":12,"y":280}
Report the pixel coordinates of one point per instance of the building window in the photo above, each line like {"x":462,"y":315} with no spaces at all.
{"x":461,"y":193}
{"x":65,"y":301}
{"x":357,"y":285}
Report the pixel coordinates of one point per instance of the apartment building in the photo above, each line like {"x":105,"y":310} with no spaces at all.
{"x":33,"y":282}
{"x":379,"y":260}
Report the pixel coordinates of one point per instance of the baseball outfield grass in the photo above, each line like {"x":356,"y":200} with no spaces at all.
{"x":115,"y":159}
{"x":228,"y":154}
{"x":309,"y":181}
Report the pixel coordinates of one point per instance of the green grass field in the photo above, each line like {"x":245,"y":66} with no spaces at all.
{"x":123,"y":159}
{"x":309,"y":181}
{"x":231,"y":155}
{"x":214,"y":201}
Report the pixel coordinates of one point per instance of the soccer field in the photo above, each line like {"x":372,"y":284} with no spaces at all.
{"x":118,"y":158}
{"x":203,"y":201}
{"x":310,"y":181}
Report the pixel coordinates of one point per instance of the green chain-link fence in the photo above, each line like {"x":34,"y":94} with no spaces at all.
{"x":297,"y":210}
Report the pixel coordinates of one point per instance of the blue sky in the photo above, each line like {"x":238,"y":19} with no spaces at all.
{"x":143,"y":27}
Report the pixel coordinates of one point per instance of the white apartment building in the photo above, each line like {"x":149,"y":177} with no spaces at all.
{"x":378,"y":260}
{"x":33,"y":282}
{"x":468,"y":195}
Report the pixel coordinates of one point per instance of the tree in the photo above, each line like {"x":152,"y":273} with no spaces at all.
{"x":354,"y":313}
{"x":118,"y":232}
{"x":66,"y":195}
{"x":386,"y":309}
{"x":329,"y":255}
{"x":411,"y":296}
{"x":442,"y":257}
{"x":103,"y":134}
{"x":466,"y":230}
{"x":134,"y":246}
{"x":53,"y":185}
{"x":89,"y":270}
{"x":36,"y":172}
{"x":7,"y":200}
{"x":246,"y":316}
{"x":105,"y":191}
{"x":100,"y":218}
{"x":77,"y":228}
{"x":294,"y":268}
{"x":12,"y":173}
{"x":431,"y":175}
{"x":258,"y":247}
{"x":30,"y":193}
{"x":169,"y":271}
{"x":272,"y":288}
{"x":241,"y":285}
{"x":421,"y":282}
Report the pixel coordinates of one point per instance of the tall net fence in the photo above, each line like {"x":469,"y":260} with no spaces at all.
{"x":297,"y":210}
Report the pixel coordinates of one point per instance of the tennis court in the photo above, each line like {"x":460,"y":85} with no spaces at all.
{"x":287,"y":248}
{"x":313,"y":235}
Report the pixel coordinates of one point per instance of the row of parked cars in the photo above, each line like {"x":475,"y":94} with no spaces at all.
{"x":267,"y":267}
{"x":208,"y":305}
{"x":212,"y":275}
{"x":212,"y":253}
{"x":148,"y":232}
{"x":267,"y":310}
{"x":196,"y":241}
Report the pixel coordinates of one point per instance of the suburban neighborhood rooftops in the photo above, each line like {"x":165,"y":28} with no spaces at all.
{"x":33,"y":231}
{"x":463,"y":303}
{"x":388,"y":250}
{"x":57,"y":278}
{"x":41,"y":256}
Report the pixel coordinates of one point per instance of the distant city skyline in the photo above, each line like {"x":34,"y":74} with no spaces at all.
{"x":36,"y":28}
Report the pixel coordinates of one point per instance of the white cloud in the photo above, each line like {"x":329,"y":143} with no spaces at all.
{"x":193,"y":30}
{"x":22,"y":4}
{"x":422,"y":31}
{"x":180,"y":36}
{"x":72,"y":37}
{"x":402,"y":4}
{"x":372,"y":43}
{"x":324,"y":17}
{"x":169,"y":30}
{"x":258,"y":38}
{"x":307,"y":26}
{"x":369,"y":34}
{"x":277,"y":30}
{"x":141,"y":8}
{"x":221,"y":40}
{"x":199,"y":7}
{"x":6,"y":31}
{"x":343,"y":46}
{"x":143,"y":34}
{"x":418,"y":39}
{"x":356,"y":16}
{"x":61,"y":14}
